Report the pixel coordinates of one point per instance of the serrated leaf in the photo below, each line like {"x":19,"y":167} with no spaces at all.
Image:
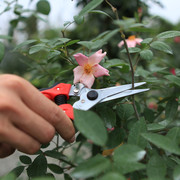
{"x":25,"y":43}
{"x":91,"y":167}
{"x":117,"y":63}
{"x":161,"y":46}
{"x":43,"y":7}
{"x":168,"y":34}
{"x":146,"y":54}
{"x":38,"y":167}
{"x":176,"y":173}
{"x":55,"y":168}
{"x":124,"y":111}
{"x":2,"y":51}
{"x":92,"y":127}
{"x":146,"y":41}
{"x":162,"y":142}
{"x":171,"y":109}
{"x":156,"y":168}
{"x":126,"y":157}
{"x":112,"y":176}
{"x":25,"y":159}
{"x":115,"y":138}
{"x":173,"y":79}
{"x":131,"y":50}
{"x":174,"y":134}
{"x":37,"y":48}
{"x":135,"y":134}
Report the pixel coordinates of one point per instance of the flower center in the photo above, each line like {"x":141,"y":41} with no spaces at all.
{"x":87,"y":68}
{"x":133,"y":37}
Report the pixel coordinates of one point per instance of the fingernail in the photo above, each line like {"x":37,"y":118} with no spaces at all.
{"x":72,"y":139}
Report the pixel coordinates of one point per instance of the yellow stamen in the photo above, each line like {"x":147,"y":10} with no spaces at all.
{"x":87,"y":68}
{"x":133,"y":37}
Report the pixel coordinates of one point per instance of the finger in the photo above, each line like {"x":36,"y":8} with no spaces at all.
{"x":48,"y":110}
{"x":33,"y":124}
{"x":6,"y":150}
{"x":19,"y":140}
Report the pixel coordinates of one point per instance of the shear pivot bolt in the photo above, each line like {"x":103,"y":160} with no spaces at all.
{"x":92,"y":95}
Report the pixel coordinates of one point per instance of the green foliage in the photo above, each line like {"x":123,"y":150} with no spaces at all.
{"x":133,"y":138}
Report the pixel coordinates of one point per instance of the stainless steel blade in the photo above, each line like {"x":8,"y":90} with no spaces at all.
{"x":124,"y":94}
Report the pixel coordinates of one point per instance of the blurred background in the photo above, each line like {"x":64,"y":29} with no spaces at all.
{"x":21,"y":20}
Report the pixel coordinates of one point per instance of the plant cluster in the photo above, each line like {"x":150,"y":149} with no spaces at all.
{"x":134,"y":138}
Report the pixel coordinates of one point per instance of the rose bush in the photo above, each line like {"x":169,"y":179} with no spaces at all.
{"x":128,"y":138}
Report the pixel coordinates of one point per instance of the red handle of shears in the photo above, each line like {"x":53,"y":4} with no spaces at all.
{"x":60,"y":94}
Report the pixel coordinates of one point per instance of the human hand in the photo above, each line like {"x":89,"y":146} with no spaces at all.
{"x":27,"y":118}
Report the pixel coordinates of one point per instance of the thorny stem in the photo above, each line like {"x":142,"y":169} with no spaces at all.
{"x":129,"y":58}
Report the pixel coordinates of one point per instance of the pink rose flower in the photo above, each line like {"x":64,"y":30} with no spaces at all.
{"x":131,"y":41}
{"x":89,"y":68}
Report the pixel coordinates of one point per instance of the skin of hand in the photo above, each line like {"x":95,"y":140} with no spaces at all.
{"x":28,"y":118}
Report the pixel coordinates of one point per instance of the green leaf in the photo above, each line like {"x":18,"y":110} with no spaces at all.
{"x":126,"y":157}
{"x":147,"y":41}
{"x":162,"y":142}
{"x":124,"y":67}
{"x":112,"y":176}
{"x":161,"y":46}
{"x":2,"y":51}
{"x":115,"y":138}
{"x":53,"y":154}
{"x":108,"y":116}
{"x":25,"y":43}
{"x":38,"y":167}
{"x":91,"y":167}
{"x":91,"y":126}
{"x":176,"y":173}
{"x":67,"y":177}
{"x":55,"y":168}
{"x":135,"y":134}
{"x":174,"y":134}
{"x":173,"y":79}
{"x":171,"y":109}
{"x":146,"y":54}
{"x":18,"y":170}
{"x":131,"y":50}
{"x":37,"y":48}
{"x":155,"y":127}
{"x":90,"y":6}
{"x":100,"y":12}
{"x":43,"y":178}
{"x":168,"y":34}
{"x":25,"y":159}
{"x":156,"y":168}
{"x":128,"y":153}
{"x":43,"y":7}
{"x":125,"y":111}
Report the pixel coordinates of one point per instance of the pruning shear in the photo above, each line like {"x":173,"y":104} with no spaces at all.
{"x":88,"y":98}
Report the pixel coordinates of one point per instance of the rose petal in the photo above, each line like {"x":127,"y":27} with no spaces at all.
{"x":98,"y":71}
{"x":138,"y":40}
{"x":96,"y":57}
{"x":81,"y":59}
{"x":78,"y":73}
{"x":131,"y":43}
{"x":121,"y":44}
{"x":87,"y":80}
